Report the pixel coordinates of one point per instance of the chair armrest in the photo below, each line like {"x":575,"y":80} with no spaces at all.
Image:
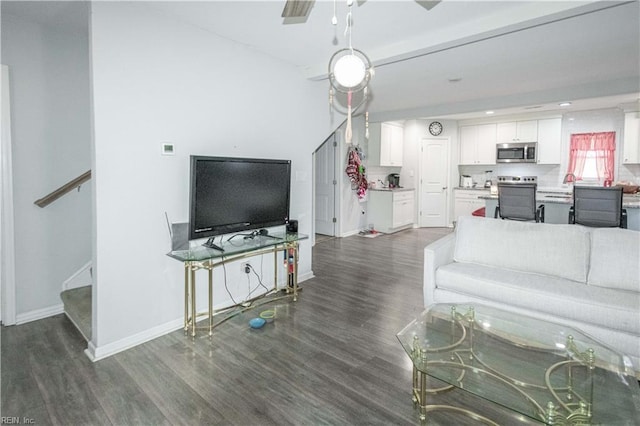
{"x":436,"y":254}
{"x":540,"y":213}
{"x":572,"y":216}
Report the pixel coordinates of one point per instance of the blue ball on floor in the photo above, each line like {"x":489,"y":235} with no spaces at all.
{"x":256,"y":322}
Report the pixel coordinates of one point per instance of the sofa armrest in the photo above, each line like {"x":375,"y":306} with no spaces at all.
{"x":436,"y":254}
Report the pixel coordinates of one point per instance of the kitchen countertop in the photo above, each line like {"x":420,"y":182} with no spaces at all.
{"x":391,"y":189}
{"x":475,"y":188}
{"x":629,"y":201}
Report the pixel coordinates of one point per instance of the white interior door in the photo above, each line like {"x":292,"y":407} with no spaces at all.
{"x":325,"y":188}
{"x":434,"y":187}
{"x":7,"y":255}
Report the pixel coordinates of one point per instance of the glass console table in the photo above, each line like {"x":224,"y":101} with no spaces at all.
{"x":545,"y":372}
{"x":200,"y":257}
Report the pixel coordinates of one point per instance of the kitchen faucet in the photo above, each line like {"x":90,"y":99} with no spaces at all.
{"x":567,"y":176}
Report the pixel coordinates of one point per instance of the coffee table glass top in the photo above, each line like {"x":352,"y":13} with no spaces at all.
{"x":546,"y":371}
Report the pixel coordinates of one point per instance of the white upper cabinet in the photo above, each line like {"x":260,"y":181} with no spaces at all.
{"x":386,"y":144}
{"x":478,"y":144}
{"x":517,"y":131}
{"x":631,"y":144}
{"x":549,"y":140}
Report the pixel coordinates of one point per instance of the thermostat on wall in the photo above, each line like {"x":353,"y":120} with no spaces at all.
{"x":167,"y":149}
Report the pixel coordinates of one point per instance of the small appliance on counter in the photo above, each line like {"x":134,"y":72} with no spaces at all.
{"x":488,"y":181}
{"x":466,"y":181}
{"x":394,"y":180}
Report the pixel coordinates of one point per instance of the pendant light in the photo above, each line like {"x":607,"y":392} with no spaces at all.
{"x":350,"y":71}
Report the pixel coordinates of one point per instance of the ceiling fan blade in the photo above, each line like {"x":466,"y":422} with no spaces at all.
{"x":428,"y":4}
{"x":297,"y":8}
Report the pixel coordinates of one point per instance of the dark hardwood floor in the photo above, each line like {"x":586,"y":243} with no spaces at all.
{"x":331,"y":358}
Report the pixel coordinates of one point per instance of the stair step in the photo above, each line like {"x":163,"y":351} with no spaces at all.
{"x":77,"y":307}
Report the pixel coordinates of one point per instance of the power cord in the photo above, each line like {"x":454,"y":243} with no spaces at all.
{"x":248,"y":265}
{"x":224,"y":269}
{"x":259,"y":281}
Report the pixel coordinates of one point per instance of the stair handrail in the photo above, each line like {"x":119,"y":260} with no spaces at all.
{"x":67,"y":187}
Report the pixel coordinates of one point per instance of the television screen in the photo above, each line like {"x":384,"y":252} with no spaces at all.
{"x":237,"y":194}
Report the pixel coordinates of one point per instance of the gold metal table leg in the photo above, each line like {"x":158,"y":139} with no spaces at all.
{"x":194,"y":313}
{"x":295,"y":272}
{"x":187,"y":267}
{"x":210,"y":301}
{"x":275,"y":268}
{"x":416,"y":388}
{"x":423,"y":395}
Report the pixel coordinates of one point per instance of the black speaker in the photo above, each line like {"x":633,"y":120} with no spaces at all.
{"x":292,"y":226}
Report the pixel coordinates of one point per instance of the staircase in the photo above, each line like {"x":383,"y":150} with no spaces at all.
{"x":77,"y":307}
{"x":77,"y":299}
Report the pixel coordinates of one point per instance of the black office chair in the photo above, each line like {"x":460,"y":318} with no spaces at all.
{"x":598,"y":207}
{"x":518,"y":202}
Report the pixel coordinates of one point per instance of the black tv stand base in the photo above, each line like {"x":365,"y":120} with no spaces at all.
{"x":210,"y":244}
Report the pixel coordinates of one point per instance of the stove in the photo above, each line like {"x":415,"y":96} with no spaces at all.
{"x":514,"y":180}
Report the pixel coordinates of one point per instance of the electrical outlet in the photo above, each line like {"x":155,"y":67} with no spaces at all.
{"x":246,"y":267}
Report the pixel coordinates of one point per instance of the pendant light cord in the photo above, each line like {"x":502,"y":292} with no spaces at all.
{"x":347,"y":30}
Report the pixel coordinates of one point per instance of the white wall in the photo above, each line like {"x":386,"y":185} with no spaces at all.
{"x":49,"y":69}
{"x":157,"y":80}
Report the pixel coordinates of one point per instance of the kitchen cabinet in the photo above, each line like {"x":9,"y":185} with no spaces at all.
{"x":403,"y":208}
{"x":386,"y":144}
{"x":478,"y":144}
{"x":631,"y":144}
{"x":549,"y":140}
{"x":391,"y":211}
{"x":517,"y":131}
{"x":467,"y":201}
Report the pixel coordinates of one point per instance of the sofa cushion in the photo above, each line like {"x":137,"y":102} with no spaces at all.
{"x":611,"y":308}
{"x":615,"y":259}
{"x":556,"y":250}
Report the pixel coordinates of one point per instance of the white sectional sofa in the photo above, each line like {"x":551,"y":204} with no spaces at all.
{"x":587,"y":278}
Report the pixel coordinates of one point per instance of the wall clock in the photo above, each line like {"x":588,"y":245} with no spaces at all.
{"x":435,"y":128}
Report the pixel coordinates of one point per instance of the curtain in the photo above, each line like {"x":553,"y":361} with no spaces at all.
{"x":603,"y":144}
{"x":579,"y":147}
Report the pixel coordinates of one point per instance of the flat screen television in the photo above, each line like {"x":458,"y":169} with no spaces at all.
{"x":230,"y":195}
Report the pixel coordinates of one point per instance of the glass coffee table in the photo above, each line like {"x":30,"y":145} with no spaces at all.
{"x":543,"y":371}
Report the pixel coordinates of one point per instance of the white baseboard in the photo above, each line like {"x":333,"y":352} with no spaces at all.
{"x":96,"y":353}
{"x":305,"y":276}
{"x":81,"y":278}
{"x":39,"y":314}
{"x":350,"y":233}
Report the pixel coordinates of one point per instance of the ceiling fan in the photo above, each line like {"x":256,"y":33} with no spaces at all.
{"x":297,"y":11}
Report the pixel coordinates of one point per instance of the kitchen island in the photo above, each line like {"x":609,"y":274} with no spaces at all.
{"x":557,"y":203}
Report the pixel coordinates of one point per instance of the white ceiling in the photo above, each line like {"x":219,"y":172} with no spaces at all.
{"x":508,"y":54}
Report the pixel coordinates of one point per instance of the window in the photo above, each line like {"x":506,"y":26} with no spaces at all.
{"x":590,"y":170}
{"x":591,"y":157}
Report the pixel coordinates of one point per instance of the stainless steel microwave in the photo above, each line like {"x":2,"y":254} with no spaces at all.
{"x":517,"y":152}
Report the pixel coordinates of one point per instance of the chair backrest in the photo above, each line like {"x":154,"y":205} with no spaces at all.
{"x":517,"y":201}
{"x":597,"y":206}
